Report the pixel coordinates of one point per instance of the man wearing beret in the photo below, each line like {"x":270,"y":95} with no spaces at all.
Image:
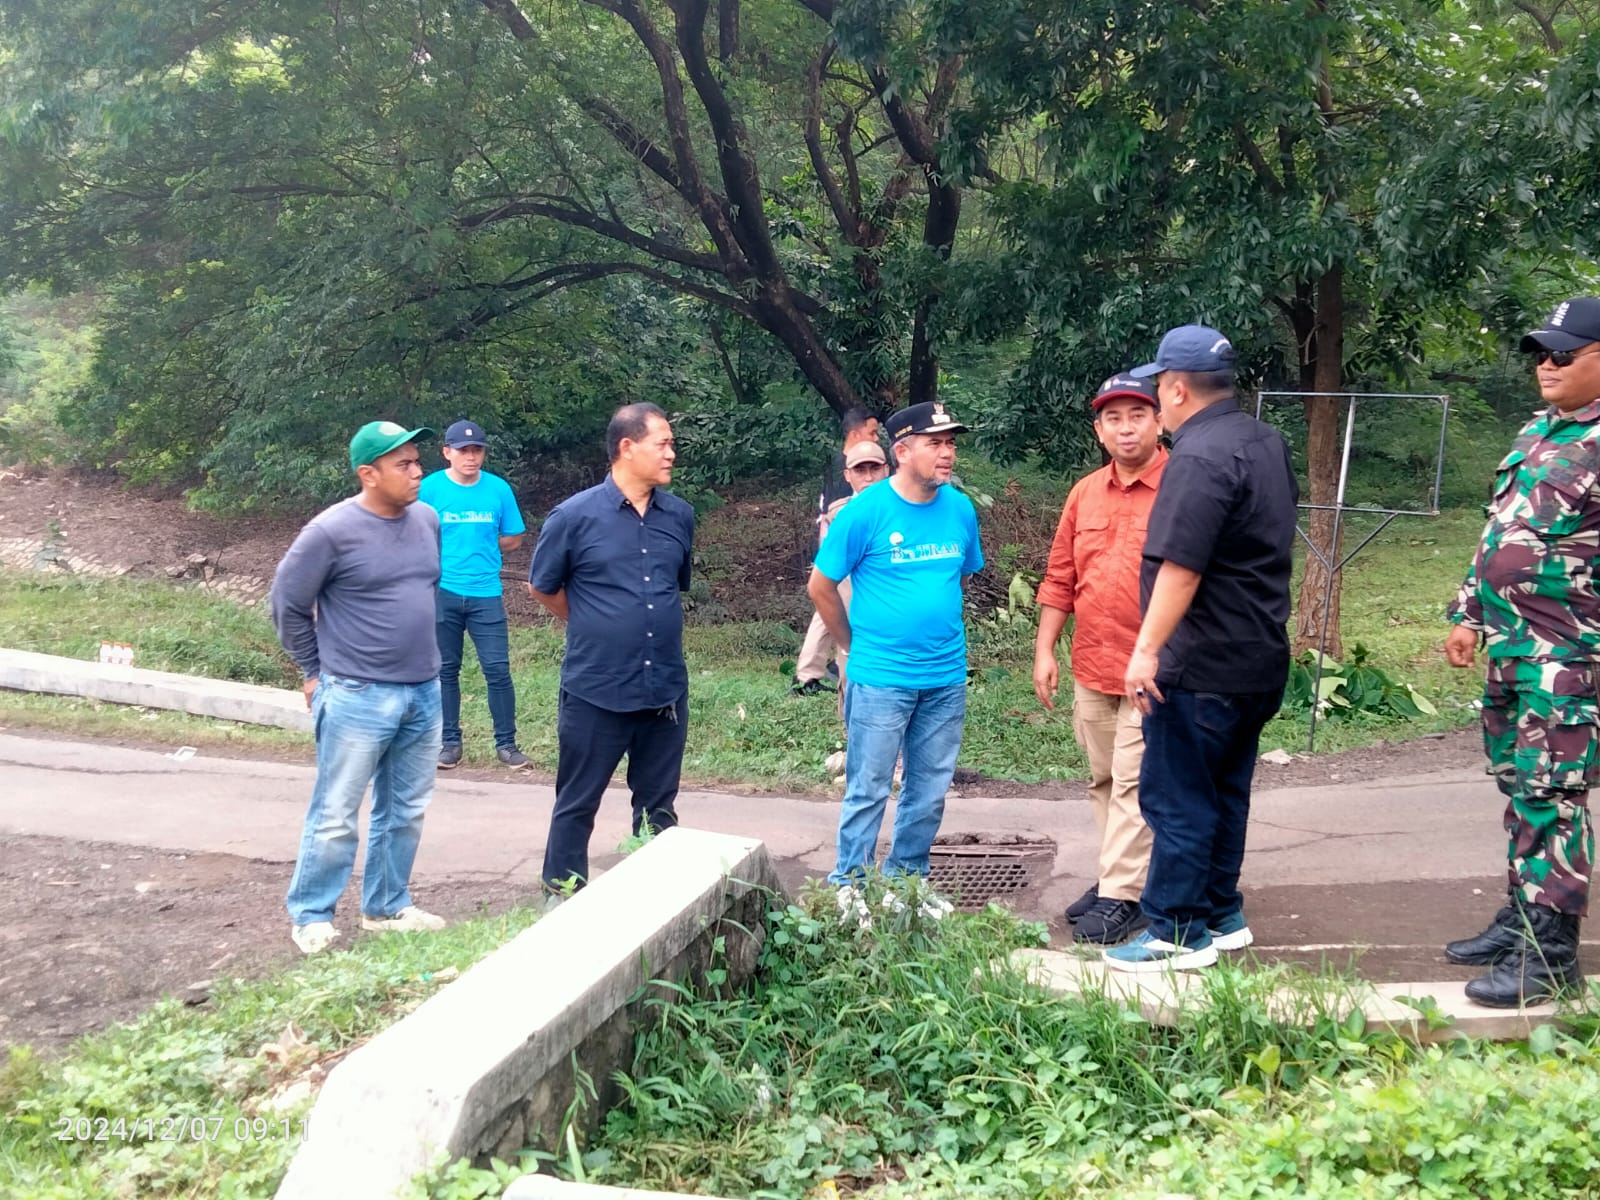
{"x":353,"y":604}
{"x":1530,"y":597}
{"x":1093,"y":577}
{"x":905,"y":547}
{"x":1212,"y":654}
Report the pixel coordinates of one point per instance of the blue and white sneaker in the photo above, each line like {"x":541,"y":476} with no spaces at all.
{"x":1148,"y":954}
{"x":1230,"y":932}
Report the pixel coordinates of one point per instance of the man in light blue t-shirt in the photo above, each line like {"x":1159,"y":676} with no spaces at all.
{"x":478,"y":519}
{"x":905,"y":547}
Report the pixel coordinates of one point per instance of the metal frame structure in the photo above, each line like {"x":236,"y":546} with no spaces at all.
{"x":1339,"y":507}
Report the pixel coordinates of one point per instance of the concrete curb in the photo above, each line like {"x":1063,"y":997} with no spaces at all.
{"x":252,"y":704}
{"x":488,"y":1064}
{"x":1160,"y":997}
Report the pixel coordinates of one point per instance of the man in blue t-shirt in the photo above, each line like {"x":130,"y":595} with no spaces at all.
{"x":906,"y":548}
{"x":478,"y":520}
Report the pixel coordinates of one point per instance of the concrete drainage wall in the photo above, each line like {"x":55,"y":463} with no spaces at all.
{"x":486,"y":1066}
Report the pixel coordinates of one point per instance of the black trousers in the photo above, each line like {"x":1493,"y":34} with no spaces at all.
{"x":591,"y":742}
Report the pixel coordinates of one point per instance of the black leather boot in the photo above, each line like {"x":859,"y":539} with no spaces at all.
{"x":1502,"y":937}
{"x":1543,"y":965}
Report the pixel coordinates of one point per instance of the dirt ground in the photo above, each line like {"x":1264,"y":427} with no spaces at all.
{"x":73,"y":962}
{"x":101,"y":527}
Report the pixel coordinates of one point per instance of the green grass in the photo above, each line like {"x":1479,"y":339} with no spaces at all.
{"x":913,"y":1059}
{"x":744,"y":728}
{"x":1394,"y":598}
{"x":180,"y":1062}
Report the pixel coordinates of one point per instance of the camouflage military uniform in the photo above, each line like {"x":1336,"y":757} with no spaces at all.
{"x":1532,"y":594}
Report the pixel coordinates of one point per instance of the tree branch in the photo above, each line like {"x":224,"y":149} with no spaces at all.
{"x":1257,"y":160}
{"x":616,"y":231}
{"x":847,"y":218}
{"x":512,"y":16}
{"x":713,"y":214}
{"x":740,"y":177}
{"x":635,"y":143}
{"x":556,"y":279}
{"x":727,"y":31}
{"x":1545,"y":22}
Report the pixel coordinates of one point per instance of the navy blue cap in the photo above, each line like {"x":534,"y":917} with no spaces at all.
{"x":1125,"y":387}
{"x":922,"y":418}
{"x":464,"y":433}
{"x":1189,"y":348}
{"x":1574,"y":323}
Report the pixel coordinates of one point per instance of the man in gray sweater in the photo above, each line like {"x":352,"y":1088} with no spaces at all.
{"x":353,"y":603}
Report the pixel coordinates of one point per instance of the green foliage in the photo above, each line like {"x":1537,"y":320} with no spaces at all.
{"x":460,"y":1180}
{"x":721,"y":441}
{"x":209,"y":1063}
{"x":1268,"y":169}
{"x":1500,"y":1122}
{"x":910,"y":1051}
{"x":1350,"y":690}
{"x":47,"y":347}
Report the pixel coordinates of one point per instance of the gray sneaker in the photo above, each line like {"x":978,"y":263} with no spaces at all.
{"x":512,"y":757}
{"x":449,"y":756}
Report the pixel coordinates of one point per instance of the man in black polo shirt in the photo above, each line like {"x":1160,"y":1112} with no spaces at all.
{"x":1212,"y":655}
{"x":611,"y":562}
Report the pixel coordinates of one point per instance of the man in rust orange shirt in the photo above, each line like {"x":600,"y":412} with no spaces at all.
{"x":1094,"y":576}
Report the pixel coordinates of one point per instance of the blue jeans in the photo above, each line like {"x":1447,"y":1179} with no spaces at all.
{"x":387,"y":733}
{"x":484,"y":617}
{"x":879,"y":721}
{"x":1194,"y":792}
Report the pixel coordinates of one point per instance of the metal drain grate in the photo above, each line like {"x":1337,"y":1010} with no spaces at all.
{"x":972,"y":874}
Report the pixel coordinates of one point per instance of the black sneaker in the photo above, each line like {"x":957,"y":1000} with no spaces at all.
{"x":449,"y":756}
{"x":512,"y":757}
{"x":1109,"y":921}
{"x":1083,"y":903}
{"x":811,"y":687}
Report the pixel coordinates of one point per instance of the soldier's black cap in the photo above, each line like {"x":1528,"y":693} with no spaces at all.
{"x":1574,"y":323}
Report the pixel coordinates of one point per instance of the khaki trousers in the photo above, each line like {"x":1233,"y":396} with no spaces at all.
{"x":1111,"y":733}
{"x":818,"y":646}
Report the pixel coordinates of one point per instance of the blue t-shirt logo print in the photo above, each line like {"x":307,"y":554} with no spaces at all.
{"x":905,"y":562}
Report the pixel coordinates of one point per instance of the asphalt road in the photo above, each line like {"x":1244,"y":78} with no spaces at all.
{"x":1379,"y":872}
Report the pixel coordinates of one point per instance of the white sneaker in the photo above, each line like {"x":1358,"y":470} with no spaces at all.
{"x":410,"y":919}
{"x":315,"y":937}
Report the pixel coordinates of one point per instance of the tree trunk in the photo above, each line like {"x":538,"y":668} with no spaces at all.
{"x":777,"y":314}
{"x":1324,"y":434}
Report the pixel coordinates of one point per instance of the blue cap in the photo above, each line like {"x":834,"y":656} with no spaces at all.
{"x":1189,"y":348}
{"x":464,"y":433}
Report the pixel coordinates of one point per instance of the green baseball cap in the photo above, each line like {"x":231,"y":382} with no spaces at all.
{"x":376,"y":438}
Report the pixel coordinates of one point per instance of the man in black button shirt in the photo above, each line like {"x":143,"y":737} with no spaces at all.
{"x":612,"y":563}
{"x":1212,"y":655}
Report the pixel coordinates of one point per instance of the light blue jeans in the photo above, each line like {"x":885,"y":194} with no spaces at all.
{"x":880,"y":722}
{"x":385,"y":733}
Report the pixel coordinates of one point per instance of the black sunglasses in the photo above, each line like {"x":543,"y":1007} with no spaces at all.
{"x":1557,"y":358}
